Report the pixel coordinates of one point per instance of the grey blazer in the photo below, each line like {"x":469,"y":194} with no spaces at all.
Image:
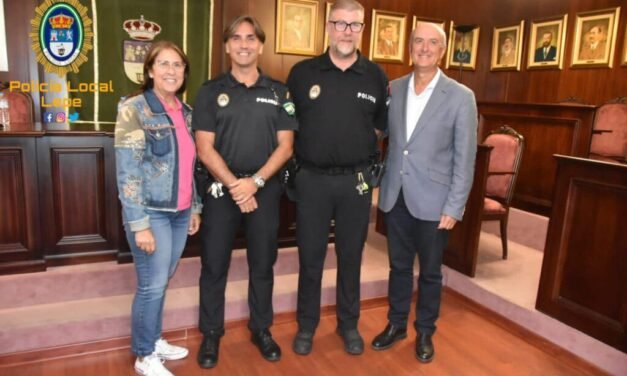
{"x":435,"y":168}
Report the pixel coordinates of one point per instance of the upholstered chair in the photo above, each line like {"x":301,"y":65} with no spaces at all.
{"x":21,"y":107}
{"x":609,"y":133}
{"x":508,"y":146}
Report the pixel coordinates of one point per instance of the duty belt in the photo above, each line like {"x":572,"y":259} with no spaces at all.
{"x":242,"y":174}
{"x":333,"y":170}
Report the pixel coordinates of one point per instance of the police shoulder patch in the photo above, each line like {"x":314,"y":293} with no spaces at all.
{"x":289,"y":108}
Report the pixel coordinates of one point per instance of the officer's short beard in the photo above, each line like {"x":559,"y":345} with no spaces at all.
{"x":344,"y":50}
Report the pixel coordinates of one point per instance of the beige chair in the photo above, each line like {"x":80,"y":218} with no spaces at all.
{"x":505,"y":158}
{"x":609,"y":132}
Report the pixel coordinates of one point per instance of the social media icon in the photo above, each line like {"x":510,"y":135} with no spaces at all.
{"x":73,"y":117}
{"x":48,"y":116}
{"x":60,"y":117}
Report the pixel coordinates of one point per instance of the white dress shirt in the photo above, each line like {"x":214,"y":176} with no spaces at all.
{"x":416,"y":103}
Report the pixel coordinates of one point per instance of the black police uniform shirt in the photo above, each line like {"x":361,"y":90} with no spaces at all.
{"x":244,"y":119}
{"x":338,"y":110}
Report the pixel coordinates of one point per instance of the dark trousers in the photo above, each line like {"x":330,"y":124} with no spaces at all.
{"x":406,"y":237}
{"x":322,"y":198}
{"x":221,"y":218}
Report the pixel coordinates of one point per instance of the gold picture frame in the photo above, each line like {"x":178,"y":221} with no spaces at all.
{"x":547,"y":38}
{"x":415,"y":21}
{"x":326,"y":21}
{"x":387,"y":38}
{"x":296,"y":27}
{"x":594,"y":40}
{"x":507,"y":47}
{"x":462,"y":49}
{"x":623,"y":59}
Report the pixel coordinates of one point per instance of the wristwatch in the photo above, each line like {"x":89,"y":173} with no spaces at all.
{"x":259,"y":181}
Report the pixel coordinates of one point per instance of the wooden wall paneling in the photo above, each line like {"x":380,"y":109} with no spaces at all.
{"x":593,"y":85}
{"x":19,"y":203}
{"x":583,"y":282}
{"x":548,"y":129}
{"x":76,"y":195}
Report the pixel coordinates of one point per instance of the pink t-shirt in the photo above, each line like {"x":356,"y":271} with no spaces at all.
{"x":187,"y":153}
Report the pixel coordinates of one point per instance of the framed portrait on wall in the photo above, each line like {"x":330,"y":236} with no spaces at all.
{"x":387,"y":36}
{"x":507,"y":47}
{"x":547,"y":38}
{"x":415,"y":21}
{"x":595,"y":38}
{"x":296,"y":27}
{"x":462,"y":49}
{"x":326,"y":21}
{"x":623,"y":56}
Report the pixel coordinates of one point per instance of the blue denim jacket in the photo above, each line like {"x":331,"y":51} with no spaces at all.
{"x":146,"y":153}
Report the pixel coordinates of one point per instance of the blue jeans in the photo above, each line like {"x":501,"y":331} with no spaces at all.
{"x":153,"y":273}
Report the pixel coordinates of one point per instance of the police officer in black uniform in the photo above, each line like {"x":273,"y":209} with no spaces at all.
{"x":340,"y":100}
{"x":244,"y":126}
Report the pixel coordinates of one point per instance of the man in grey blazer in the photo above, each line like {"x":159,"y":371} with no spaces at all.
{"x":432,"y":125}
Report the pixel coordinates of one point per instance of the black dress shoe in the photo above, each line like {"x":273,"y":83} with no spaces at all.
{"x":208,"y":352}
{"x":303,"y":342}
{"x":388,"y":337}
{"x":266,"y":345}
{"x":353,"y":343}
{"x":424,"y":348}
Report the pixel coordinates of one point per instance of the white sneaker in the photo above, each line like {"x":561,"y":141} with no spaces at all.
{"x":151,"y":365}
{"x":166,"y":351}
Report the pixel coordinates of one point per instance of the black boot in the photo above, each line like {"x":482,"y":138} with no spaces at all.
{"x":208,"y":352}
{"x":424,"y":348}
{"x":388,"y":337}
{"x":266,"y":345}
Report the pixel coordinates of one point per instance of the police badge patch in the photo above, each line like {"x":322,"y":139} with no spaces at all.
{"x":223,"y":100}
{"x":134,"y":51}
{"x":61,"y":34}
{"x":314,"y":92}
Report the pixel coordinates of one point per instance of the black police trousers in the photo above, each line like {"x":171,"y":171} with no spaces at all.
{"x":221,"y":218}
{"x":322,"y":198}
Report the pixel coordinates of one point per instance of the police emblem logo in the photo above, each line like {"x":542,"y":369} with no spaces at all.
{"x":314,"y":92}
{"x":289,"y":108}
{"x":223,"y":100}
{"x":134,"y":51}
{"x":61,"y":34}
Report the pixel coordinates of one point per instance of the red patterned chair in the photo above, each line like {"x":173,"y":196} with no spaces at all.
{"x":21,"y":108}
{"x":508,"y":146}
{"x":609,"y":133}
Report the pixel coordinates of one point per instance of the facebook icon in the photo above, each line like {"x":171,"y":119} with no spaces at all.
{"x":48,"y":116}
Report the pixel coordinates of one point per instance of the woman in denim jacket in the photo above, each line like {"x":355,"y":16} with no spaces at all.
{"x":155,"y":155}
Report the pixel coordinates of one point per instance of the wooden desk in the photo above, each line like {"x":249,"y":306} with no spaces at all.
{"x":584,"y":272}
{"x":59,"y":199}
